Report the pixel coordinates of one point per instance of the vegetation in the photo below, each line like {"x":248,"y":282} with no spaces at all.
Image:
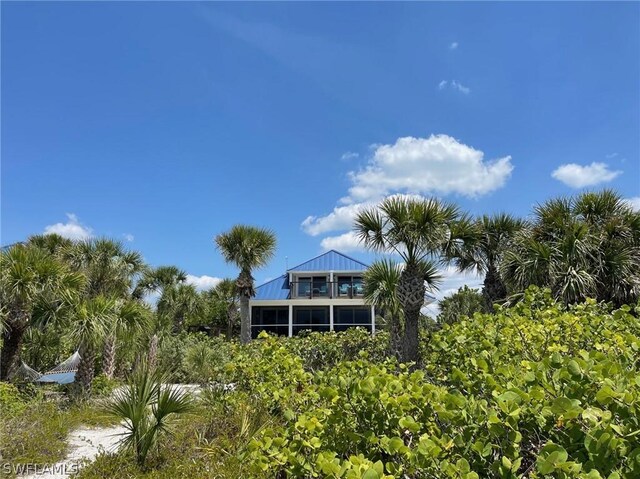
{"x":516,"y":381}
{"x":464,"y":303}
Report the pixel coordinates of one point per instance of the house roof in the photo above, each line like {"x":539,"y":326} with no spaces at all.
{"x":331,"y":261}
{"x":275,"y":289}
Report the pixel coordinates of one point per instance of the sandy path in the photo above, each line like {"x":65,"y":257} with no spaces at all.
{"x":84,"y":444}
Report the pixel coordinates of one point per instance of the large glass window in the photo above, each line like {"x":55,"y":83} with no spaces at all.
{"x":273,"y":320}
{"x":346,"y":317}
{"x":313,"y":319}
{"x":350,"y":286}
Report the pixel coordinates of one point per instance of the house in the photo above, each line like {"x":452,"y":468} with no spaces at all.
{"x":322,"y":294}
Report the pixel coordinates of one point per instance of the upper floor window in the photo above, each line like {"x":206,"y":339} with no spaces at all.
{"x":350,"y":286}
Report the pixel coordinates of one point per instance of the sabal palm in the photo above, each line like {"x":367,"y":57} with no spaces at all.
{"x":110,"y":270}
{"x":34,"y":288}
{"x":226,"y":293}
{"x":177,"y":305}
{"x":416,"y":230}
{"x":91,"y":322}
{"x":156,"y":280}
{"x":248,"y":248}
{"x":147,"y":405}
{"x":584,"y":246}
{"x":481,"y":249}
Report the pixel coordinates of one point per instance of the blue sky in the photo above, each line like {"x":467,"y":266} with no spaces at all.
{"x":163,"y":124}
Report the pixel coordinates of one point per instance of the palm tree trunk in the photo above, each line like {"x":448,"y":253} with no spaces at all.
{"x":109,"y":356}
{"x":411,"y":292}
{"x":12,"y":337}
{"x":395,"y":336}
{"x":85,"y":372}
{"x":230,"y":315}
{"x":494,"y":289}
{"x":245,"y":320}
{"x":152,"y":356}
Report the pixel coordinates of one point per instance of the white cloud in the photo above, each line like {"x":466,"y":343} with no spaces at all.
{"x":454,"y":85}
{"x":611,"y":155}
{"x":349,"y":155}
{"x":202,"y":282}
{"x":341,"y":218}
{"x":634,"y":202}
{"x":346,"y":242}
{"x":453,"y":46}
{"x":72,"y":229}
{"x":128,"y":237}
{"x":460,"y":87}
{"x":438,"y":164}
{"x":579,"y":176}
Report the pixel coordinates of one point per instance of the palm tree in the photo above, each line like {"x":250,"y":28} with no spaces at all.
{"x":579,"y":247}
{"x":89,"y":326}
{"x":225,"y":293}
{"x":110,"y":270}
{"x":416,"y":230}
{"x":380,"y":289}
{"x":34,"y":288}
{"x":248,"y":248}
{"x":178,"y":305}
{"x":484,"y":243}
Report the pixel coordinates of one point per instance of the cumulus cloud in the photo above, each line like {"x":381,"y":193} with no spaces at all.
{"x":347,"y":242}
{"x":453,"y":46}
{"x":72,"y":229}
{"x":454,"y":85}
{"x":579,"y":176}
{"x":634,"y":202}
{"x":341,"y":218}
{"x":202,"y":282}
{"x":438,"y":164}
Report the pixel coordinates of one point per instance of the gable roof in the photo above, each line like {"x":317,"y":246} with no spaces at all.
{"x":332,"y":260}
{"x":275,"y":289}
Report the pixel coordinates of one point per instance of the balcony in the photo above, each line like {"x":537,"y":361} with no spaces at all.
{"x":311,"y":289}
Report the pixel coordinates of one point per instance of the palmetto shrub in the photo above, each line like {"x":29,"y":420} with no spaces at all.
{"x":147,"y":405}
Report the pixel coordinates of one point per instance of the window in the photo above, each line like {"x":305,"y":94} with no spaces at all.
{"x":312,"y":287}
{"x":346,"y":317}
{"x":273,"y":320}
{"x":350,"y":286}
{"x":313,"y":319}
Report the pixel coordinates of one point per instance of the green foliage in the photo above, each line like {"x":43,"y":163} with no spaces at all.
{"x":465,"y":302}
{"x":146,"y":406}
{"x":11,"y":401}
{"x":102,"y":386}
{"x":537,"y":390}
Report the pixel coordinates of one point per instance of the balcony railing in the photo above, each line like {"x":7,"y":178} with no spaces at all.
{"x":326,"y":289}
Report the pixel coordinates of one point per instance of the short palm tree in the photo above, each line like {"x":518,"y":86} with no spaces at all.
{"x":481,"y":251}
{"x":34,"y":287}
{"x":177,"y":305}
{"x":225,"y":293}
{"x":147,"y":405}
{"x":248,"y":248}
{"x":380,"y":289}
{"x":579,"y":247}
{"x":417,"y":230}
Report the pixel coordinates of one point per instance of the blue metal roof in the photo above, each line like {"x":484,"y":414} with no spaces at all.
{"x":331,"y":261}
{"x":275,"y":289}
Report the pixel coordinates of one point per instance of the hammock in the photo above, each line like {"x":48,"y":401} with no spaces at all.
{"x":24,"y":372}
{"x":63,"y":373}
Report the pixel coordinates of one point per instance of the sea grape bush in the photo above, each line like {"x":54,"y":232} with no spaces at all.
{"x":538,"y":390}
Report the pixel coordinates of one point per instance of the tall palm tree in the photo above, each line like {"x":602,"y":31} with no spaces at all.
{"x":416,"y":230}
{"x":579,"y":247}
{"x":157,"y":280}
{"x":248,"y":248}
{"x":89,"y":326}
{"x":485,"y":241}
{"x":34,"y":288}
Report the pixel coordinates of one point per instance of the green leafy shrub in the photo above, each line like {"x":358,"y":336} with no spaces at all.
{"x":11,"y":401}
{"x":102,"y":386}
{"x":538,"y":390}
